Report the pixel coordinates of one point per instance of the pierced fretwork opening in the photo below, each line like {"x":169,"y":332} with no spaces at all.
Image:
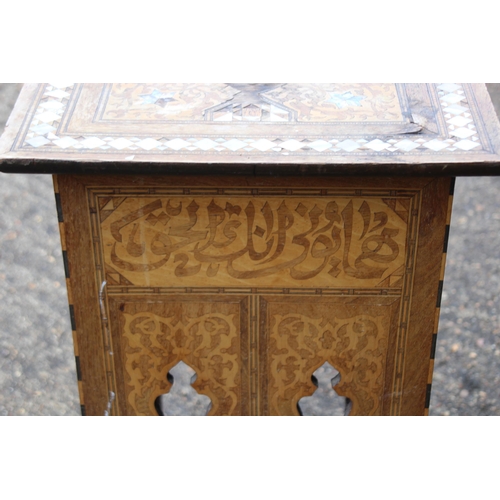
{"x":325,"y":401}
{"x":182,"y":399}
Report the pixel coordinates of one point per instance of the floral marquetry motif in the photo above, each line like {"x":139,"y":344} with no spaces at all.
{"x":257,"y":102}
{"x":151,"y":344}
{"x":349,"y":334}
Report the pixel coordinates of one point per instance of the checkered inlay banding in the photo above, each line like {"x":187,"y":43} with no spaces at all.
{"x":462,"y":134}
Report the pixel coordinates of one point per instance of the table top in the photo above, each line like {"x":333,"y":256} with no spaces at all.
{"x":280,"y":128}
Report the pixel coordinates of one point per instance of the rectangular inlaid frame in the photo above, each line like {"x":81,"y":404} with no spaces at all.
{"x":108,"y":204}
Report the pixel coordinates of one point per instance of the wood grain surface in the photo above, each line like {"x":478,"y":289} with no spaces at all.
{"x":338,"y":270}
{"x":286,"y":129}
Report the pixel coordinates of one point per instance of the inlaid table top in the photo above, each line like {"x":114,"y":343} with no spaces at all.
{"x":335,"y":128}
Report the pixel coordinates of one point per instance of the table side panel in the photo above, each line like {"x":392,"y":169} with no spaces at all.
{"x":368,"y":319}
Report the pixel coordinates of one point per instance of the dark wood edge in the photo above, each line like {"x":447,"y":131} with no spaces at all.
{"x":388,"y":399}
{"x":427,"y":276}
{"x":484,"y":167}
{"x":86,"y":319}
{"x":221,"y":181}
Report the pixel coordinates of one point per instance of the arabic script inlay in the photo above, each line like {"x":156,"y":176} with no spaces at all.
{"x":230,"y":241}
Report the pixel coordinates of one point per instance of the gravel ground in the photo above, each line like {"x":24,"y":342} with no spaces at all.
{"x":37,"y":368}
{"x":37,"y":364}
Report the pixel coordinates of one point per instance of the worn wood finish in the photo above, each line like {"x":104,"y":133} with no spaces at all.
{"x":354,"y":335}
{"x":261,"y":129}
{"x":255,"y":283}
{"x":151,"y":334}
{"x":236,"y":239}
{"x":93,"y":350}
{"x":291,"y":251}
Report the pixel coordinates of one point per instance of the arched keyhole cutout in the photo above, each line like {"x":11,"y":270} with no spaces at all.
{"x":325,"y":401}
{"x":182,"y":399}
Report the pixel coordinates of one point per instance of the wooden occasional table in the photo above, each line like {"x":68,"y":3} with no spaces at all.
{"x":257,"y":233}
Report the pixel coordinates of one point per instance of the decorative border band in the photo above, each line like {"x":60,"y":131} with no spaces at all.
{"x":44,"y":134}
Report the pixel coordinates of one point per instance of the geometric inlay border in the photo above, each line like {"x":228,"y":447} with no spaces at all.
{"x":43,"y":134}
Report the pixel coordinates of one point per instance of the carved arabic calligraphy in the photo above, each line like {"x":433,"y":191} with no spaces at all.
{"x":229,"y":241}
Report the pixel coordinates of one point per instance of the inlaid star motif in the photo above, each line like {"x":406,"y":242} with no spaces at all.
{"x":157,"y":97}
{"x":345,"y":100}
{"x":251,"y":93}
{"x":250,"y":103}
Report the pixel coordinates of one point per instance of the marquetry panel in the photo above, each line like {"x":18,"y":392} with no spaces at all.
{"x":255,"y":284}
{"x":242,"y":127}
{"x":151,"y":335}
{"x":356,"y":335}
{"x":285,"y":242}
{"x":298,"y":240}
